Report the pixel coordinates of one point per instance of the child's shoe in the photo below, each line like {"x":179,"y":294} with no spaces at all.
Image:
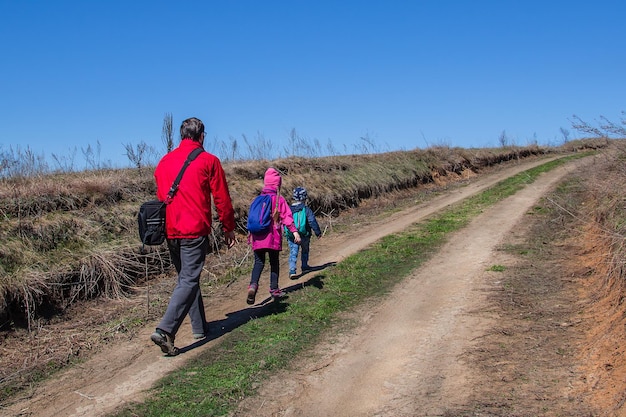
{"x":251,"y":294}
{"x":277,"y":294}
{"x":292,"y":274}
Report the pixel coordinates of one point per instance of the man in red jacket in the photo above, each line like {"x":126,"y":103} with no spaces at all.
{"x":188,"y":225}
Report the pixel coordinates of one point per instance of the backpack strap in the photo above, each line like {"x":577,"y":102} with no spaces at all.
{"x":174,"y":187}
{"x":276,"y":194}
{"x":275,"y":213}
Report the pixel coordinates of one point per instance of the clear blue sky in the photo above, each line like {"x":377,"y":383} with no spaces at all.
{"x":406,"y":74}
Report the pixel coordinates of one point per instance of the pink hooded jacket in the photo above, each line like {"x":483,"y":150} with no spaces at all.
{"x":274,"y":238}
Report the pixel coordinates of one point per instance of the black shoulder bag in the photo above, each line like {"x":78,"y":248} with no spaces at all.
{"x":151,"y":216}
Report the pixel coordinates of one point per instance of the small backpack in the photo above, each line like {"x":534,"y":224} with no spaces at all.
{"x":260,"y":214}
{"x":151,"y":220}
{"x":299,"y":219}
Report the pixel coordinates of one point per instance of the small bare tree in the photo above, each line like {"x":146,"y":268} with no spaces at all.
{"x":565,"y":134}
{"x":234,"y":148}
{"x":167,"y":134}
{"x":503,"y":140}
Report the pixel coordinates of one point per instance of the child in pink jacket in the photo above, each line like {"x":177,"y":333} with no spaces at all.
{"x":271,"y":243}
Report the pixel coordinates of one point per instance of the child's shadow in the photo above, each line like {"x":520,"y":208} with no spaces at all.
{"x":264,"y":308}
{"x":312,"y":269}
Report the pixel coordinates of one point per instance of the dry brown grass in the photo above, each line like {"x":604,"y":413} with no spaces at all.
{"x":600,"y":265}
{"x":43,"y":296}
{"x":71,"y":237}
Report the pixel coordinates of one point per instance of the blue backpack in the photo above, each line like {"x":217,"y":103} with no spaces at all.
{"x":260,"y":214}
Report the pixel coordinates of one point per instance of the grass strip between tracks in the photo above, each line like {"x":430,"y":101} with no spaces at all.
{"x":213,"y":383}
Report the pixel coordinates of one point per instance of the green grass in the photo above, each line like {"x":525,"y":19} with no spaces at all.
{"x":214,"y":382}
{"x":497,"y":268}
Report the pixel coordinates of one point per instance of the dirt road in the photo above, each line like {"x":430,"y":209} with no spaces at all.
{"x":404,"y":355}
{"x":404,"y":359}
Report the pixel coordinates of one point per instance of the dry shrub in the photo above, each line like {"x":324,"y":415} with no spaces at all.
{"x":605,"y":207}
{"x":111,"y":273}
{"x":30,"y":196}
{"x":601,"y":261}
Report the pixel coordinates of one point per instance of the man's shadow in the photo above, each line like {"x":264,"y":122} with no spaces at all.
{"x":266,"y":307}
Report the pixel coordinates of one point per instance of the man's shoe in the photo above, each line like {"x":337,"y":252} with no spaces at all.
{"x":251,"y":294}
{"x":292,"y":274}
{"x":165,"y":342}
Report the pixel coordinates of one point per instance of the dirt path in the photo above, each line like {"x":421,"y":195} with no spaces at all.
{"x":404,"y":357}
{"x":415,"y":358}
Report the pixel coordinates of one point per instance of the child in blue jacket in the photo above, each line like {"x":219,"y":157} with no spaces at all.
{"x":307,"y":227}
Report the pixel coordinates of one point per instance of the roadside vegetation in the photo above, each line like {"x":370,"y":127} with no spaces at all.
{"x":601,"y":247}
{"x":70,"y":238}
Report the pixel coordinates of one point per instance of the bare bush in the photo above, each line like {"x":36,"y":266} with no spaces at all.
{"x":367,"y":145}
{"x":605,"y":129}
{"x":615,"y":129}
{"x":227,"y":151}
{"x":261,"y":148}
{"x":6,"y":163}
{"x":18,"y":162}
{"x":302,"y":146}
{"x":140,"y":155}
{"x":92,"y":157}
{"x":65,"y":163}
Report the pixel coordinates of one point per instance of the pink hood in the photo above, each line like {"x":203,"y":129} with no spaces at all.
{"x":272,"y":179}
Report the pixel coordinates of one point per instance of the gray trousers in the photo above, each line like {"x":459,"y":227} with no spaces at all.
{"x":188,"y":256}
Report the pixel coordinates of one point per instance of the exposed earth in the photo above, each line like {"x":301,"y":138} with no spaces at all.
{"x":444,"y":342}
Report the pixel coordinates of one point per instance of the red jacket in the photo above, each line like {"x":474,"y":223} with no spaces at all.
{"x":189,"y":213}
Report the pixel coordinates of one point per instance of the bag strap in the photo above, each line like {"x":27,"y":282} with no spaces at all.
{"x":174,"y":187}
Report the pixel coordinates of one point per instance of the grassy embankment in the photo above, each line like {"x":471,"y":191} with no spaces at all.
{"x":69,"y":237}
